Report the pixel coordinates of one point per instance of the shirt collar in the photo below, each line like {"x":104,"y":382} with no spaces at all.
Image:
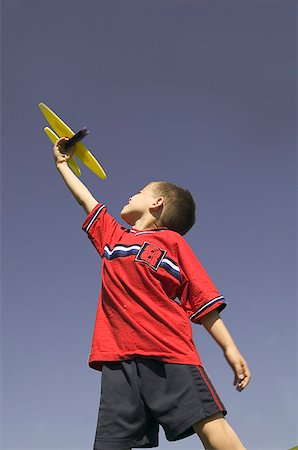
{"x":147,"y":230}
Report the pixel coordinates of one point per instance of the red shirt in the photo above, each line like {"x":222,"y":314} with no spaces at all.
{"x":152,"y":284}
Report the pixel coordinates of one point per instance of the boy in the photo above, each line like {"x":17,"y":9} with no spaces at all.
{"x":152,"y":284}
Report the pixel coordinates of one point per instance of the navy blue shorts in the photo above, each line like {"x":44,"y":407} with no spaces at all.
{"x":139,"y":395}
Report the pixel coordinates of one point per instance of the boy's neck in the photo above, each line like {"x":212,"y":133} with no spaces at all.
{"x":145,"y":223}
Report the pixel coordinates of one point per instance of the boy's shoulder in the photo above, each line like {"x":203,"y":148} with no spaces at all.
{"x":175,"y":235}
{"x":171,"y":237}
{"x":177,"y":241}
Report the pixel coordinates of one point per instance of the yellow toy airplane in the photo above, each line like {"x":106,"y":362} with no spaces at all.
{"x":81,"y":151}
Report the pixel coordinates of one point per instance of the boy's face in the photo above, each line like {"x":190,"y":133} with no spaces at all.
{"x":138,"y":205}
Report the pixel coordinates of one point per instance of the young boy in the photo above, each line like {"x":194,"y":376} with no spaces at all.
{"x":152,"y":284}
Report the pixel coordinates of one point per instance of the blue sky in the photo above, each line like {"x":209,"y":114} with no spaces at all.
{"x":199,"y":93}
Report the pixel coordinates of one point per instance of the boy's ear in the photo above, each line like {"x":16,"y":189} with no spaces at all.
{"x":157,"y":203}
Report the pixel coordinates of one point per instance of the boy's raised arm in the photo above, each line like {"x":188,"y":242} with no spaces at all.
{"x":76,"y":187}
{"x":217,"y":329}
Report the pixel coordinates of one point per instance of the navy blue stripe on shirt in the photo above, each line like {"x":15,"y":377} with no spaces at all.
{"x":170,"y":266}
{"x":93,"y":217}
{"x":208,"y":305}
{"x":120,"y":251}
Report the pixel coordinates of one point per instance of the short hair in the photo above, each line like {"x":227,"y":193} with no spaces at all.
{"x":179,"y":209}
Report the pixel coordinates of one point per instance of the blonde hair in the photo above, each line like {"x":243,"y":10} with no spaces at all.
{"x":178,"y":213}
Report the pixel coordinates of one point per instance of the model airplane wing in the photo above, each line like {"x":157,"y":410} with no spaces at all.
{"x":54,"y":137}
{"x":63,"y":130}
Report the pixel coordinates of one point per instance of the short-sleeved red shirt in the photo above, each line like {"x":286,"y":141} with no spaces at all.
{"x":152,"y":284}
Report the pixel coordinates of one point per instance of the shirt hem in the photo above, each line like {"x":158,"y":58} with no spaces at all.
{"x":96,"y":361}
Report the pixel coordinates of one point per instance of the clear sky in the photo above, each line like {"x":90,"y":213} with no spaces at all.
{"x":199,"y":93}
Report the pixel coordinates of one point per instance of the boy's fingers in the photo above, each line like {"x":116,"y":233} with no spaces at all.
{"x":242,"y":379}
{"x":239,"y":375}
{"x":60,"y":144}
{"x":242,"y":385}
{"x":62,"y":141}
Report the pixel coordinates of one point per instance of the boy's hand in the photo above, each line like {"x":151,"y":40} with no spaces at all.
{"x":239,"y":366}
{"x":215,"y":326}
{"x":59,"y":151}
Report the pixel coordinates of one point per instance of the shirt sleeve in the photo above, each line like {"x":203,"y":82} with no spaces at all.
{"x":101,"y":227}
{"x":198,"y":294}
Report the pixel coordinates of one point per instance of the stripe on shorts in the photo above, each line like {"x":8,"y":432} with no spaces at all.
{"x":210,"y":387}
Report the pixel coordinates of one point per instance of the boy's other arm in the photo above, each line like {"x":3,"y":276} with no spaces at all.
{"x":217,"y":329}
{"x":76,"y":187}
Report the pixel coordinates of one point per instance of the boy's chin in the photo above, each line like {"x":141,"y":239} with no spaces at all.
{"x":126,"y":217}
